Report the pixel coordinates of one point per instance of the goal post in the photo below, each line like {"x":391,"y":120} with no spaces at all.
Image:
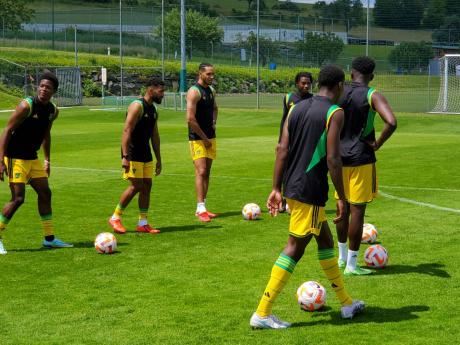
{"x":449,"y":85}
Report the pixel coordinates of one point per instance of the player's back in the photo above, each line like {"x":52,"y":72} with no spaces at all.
{"x":305,"y":178}
{"x":358,"y":125}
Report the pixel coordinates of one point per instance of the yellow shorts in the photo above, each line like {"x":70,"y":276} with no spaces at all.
{"x":360,"y":184}
{"x":139,"y":170}
{"x":198,"y":150}
{"x":22,"y":170}
{"x":306,"y":219}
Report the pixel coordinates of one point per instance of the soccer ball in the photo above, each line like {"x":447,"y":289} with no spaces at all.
{"x":376,"y":256}
{"x":251,"y":211}
{"x":105,"y":243}
{"x":311,"y":296}
{"x":369,"y":233}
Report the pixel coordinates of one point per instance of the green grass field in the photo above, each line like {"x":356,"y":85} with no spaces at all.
{"x":199,"y":284}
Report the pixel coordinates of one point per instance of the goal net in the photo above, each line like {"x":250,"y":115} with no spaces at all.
{"x":449,"y":88}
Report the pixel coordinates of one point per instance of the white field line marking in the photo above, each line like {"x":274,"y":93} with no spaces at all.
{"x":422,"y":188}
{"x":6,"y":111}
{"x":105,"y":109}
{"x":418,"y":203}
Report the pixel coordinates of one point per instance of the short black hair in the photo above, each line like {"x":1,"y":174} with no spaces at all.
{"x":155,"y":82}
{"x":364,"y":65}
{"x":203,"y":65}
{"x":330,"y":76}
{"x":48,"y":75}
{"x":303,"y":74}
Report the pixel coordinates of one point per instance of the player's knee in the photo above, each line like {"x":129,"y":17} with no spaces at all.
{"x":202,"y":172}
{"x":18,"y":200}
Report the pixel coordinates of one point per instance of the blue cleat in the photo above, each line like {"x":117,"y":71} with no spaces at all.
{"x":56,"y":243}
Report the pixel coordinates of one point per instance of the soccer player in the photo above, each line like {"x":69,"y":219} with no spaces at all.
{"x":358,"y":145}
{"x":140,"y":130}
{"x":28,"y":128}
{"x":303,"y":83}
{"x":309,"y":148}
{"x":201,"y":119}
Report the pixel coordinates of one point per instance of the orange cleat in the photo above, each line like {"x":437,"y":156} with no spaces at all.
{"x":117,"y":226}
{"x":211,"y":215}
{"x":147,"y":228}
{"x":203,"y":217}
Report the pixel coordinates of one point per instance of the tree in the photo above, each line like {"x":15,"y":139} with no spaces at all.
{"x":404,"y":14}
{"x":449,"y":32}
{"x":349,"y":11}
{"x":14,"y":13}
{"x":201,"y":31}
{"x":318,"y":48}
{"x":268,"y":49}
{"x":252,"y":5}
{"x":411,"y":55}
{"x":434,"y":14}
{"x":452,"y":8}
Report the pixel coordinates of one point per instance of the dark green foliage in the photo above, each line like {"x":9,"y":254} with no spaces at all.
{"x":320,"y":48}
{"x":411,"y":56}
{"x":449,"y":32}
{"x":15,"y":12}
{"x":404,"y":14}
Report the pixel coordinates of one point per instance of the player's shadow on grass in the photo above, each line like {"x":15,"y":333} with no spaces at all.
{"x":76,"y":245}
{"x":228,"y":214}
{"x":191,"y":227}
{"x":370,"y":315}
{"x":433,"y":269}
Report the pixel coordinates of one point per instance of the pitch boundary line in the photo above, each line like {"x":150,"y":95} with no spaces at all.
{"x":418,"y":203}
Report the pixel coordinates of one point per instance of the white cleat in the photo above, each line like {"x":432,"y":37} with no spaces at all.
{"x":270,"y":321}
{"x":2,"y":248}
{"x":348,"y":311}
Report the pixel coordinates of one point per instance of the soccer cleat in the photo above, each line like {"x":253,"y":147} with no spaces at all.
{"x":117,"y":226}
{"x":211,"y":215}
{"x":147,"y":228}
{"x":56,"y":243}
{"x":348,"y":311}
{"x":342,"y":264}
{"x":2,"y":248}
{"x":357,"y":272}
{"x":203,"y":217}
{"x":270,"y":321}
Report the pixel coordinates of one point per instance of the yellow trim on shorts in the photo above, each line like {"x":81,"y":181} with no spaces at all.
{"x":306,"y":219}
{"x":139,"y":170}
{"x":198,"y":150}
{"x":360,"y":184}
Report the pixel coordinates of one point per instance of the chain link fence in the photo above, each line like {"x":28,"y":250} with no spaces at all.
{"x":411,"y":83}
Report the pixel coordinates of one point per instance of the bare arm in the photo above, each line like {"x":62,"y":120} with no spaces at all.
{"x":134,"y":111}
{"x":214,"y":114}
{"x":19,"y":114}
{"x":334,"y":160}
{"x":47,"y":145}
{"x":156,"y":148}
{"x":193,"y":96}
{"x":275,"y":199}
{"x":380,"y":104}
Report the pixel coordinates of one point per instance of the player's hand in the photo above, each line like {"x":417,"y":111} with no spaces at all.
{"x":125,"y":165}
{"x":158,"y":169}
{"x":341,"y":210}
{"x":274,"y":202}
{"x":207,"y":143}
{"x":47,"y":166}
{"x":373,"y":144}
{"x":2,"y":169}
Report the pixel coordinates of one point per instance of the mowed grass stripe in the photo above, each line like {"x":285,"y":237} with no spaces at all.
{"x":199,"y":284}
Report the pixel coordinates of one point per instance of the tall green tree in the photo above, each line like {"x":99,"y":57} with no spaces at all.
{"x":350,"y":11}
{"x":201,"y":31}
{"x":449,"y":32}
{"x":404,"y":14}
{"x":318,"y":48}
{"x":452,"y":8}
{"x":15,"y":12}
{"x":434,"y":14}
{"x":411,"y":56}
{"x":268,"y":49}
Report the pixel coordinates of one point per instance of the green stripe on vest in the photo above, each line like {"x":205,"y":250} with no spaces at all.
{"x":369,"y":126}
{"x":320,"y":150}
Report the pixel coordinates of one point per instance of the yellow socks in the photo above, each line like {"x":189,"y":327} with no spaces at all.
{"x":328,"y":262}
{"x":281,"y":272}
{"x":47,"y":224}
{"x":118,"y":212}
